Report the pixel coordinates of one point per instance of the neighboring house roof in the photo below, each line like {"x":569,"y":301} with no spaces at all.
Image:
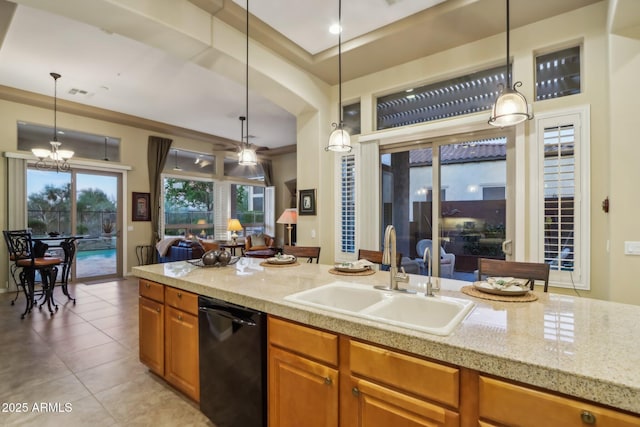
{"x":492,"y":149}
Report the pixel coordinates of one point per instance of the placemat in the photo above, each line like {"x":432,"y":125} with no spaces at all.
{"x":359,"y":273}
{"x":268,"y":264}
{"x":470,"y":290}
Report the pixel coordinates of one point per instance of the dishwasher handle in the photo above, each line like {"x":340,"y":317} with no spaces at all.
{"x":227,"y":315}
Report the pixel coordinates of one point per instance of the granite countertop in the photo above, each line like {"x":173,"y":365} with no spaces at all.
{"x":579,"y":346}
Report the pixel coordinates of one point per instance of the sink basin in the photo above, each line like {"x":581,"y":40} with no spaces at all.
{"x":437,"y":315}
{"x":339,"y":296}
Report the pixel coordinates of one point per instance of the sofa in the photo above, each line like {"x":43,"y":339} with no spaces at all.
{"x":178,"y":249}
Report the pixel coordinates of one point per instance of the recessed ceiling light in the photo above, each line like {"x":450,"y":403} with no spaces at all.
{"x":335,"y":29}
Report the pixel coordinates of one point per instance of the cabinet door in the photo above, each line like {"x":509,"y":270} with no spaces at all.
{"x":372,"y":405}
{"x":181,"y":352}
{"x":151,"y":334}
{"x":301,"y":392}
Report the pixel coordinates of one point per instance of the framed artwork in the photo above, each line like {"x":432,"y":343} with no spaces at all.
{"x":141,"y":211}
{"x":307,"y":202}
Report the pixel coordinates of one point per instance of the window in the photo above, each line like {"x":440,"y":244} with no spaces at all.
{"x":454,"y":97}
{"x":348,"y":204}
{"x":493,"y":193}
{"x":563,"y":198}
{"x":351,"y":118}
{"x":188,"y":207}
{"x":558,"y":74}
{"x":183,"y":161}
{"x":247,"y":204}
{"x":85,"y":145}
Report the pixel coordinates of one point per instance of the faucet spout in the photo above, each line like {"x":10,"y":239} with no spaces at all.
{"x":389,"y":255}
{"x":426,"y":259}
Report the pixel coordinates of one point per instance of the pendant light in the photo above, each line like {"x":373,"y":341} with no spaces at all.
{"x":511,"y":107}
{"x":339,"y":140}
{"x":57,"y":156}
{"x":247,"y":155}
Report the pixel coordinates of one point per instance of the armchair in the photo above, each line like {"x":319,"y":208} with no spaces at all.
{"x":447,"y":260}
{"x":259,"y":246}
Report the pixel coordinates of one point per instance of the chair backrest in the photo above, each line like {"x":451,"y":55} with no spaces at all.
{"x":249,"y":244}
{"x":531,"y":271}
{"x":376,"y":256}
{"x":18,"y":244}
{"x":310,"y":252}
{"x":423,"y":244}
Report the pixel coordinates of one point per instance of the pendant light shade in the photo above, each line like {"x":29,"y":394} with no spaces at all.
{"x":339,"y":140}
{"x":511,"y":107}
{"x":247,"y":155}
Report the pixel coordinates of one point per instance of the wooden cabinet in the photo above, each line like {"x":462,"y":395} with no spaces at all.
{"x":382,"y":387}
{"x":168,"y":322}
{"x":181,"y":342}
{"x":151,"y":325}
{"x":303,"y":376}
{"x":504,"y":403}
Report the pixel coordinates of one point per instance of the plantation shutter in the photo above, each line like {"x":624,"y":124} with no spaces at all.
{"x":348,"y":204}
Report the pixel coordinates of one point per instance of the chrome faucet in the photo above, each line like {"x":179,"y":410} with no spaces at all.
{"x":426,"y":259}
{"x":389,"y":256}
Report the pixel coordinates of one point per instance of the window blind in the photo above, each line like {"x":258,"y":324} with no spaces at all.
{"x":559,"y":197}
{"x":348,"y":204}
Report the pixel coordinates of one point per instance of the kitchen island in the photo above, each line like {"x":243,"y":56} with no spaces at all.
{"x":571,"y":345}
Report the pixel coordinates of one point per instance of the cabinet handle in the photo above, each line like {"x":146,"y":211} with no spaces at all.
{"x":158,"y":309}
{"x":355,"y":391}
{"x":328,"y":381}
{"x":146,"y":285}
{"x":587,"y":417}
{"x":180,"y":317}
{"x":179,"y":294}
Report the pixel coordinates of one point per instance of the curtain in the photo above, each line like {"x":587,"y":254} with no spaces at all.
{"x":157,"y":153}
{"x":16,"y":193}
{"x":268,"y":172}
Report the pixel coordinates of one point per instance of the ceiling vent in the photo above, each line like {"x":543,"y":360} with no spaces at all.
{"x":75,"y":91}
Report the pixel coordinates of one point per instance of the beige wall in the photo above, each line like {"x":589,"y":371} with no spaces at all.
{"x":613,"y":148}
{"x":133,"y":153}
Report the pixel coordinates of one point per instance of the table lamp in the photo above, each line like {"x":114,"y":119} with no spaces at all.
{"x":203,"y":233}
{"x":234,"y":225}
{"x":289,"y":216}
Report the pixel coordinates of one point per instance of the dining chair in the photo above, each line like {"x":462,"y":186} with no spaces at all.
{"x":531,"y":271}
{"x":13,"y":269}
{"x":376,"y":256}
{"x":31,"y":258}
{"x":309,"y":252}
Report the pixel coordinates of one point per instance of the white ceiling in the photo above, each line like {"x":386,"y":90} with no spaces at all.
{"x":131,"y":77}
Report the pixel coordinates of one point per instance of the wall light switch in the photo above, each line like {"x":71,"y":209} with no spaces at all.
{"x":632,"y":248}
{"x":130,"y":228}
{"x":313,"y":234}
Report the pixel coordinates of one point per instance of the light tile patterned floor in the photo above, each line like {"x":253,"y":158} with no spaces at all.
{"x":80,"y":366}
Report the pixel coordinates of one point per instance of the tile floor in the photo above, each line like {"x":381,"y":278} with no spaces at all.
{"x":80,"y":366}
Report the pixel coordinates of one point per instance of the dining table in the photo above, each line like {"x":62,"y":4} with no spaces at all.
{"x":66,"y":244}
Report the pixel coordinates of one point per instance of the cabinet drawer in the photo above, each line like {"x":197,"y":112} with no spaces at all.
{"x":151,"y":290}
{"x":310,"y":342}
{"x":407,"y":373}
{"x":182,"y":300}
{"x":511,"y":404}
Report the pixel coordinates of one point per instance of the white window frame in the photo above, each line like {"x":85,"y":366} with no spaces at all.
{"x":579,"y":117}
{"x":183,"y":177}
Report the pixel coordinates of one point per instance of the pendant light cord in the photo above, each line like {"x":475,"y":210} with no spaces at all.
{"x":55,"y":76}
{"x":339,"y":62}
{"x":247,"y":76}
{"x":508,"y":74}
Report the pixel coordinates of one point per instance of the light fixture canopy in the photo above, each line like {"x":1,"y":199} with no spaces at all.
{"x":58,"y":157}
{"x":247,"y":155}
{"x":339,"y":140}
{"x":511,"y":107}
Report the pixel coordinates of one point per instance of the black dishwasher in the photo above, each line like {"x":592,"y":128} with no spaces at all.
{"x":233,"y":364}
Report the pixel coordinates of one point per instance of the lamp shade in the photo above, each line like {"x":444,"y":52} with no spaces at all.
{"x":289,"y":216}
{"x":510,"y":109}
{"x":339,"y":140}
{"x":234,"y":225}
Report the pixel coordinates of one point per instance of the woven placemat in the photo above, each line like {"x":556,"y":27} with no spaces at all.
{"x":268,"y":264}
{"x":359,"y":273}
{"x":470,"y":290}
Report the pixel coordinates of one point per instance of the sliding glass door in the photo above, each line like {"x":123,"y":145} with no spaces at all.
{"x":80,"y":203}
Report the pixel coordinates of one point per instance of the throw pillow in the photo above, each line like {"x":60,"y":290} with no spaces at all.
{"x":258,"y":240}
{"x":208,"y":245}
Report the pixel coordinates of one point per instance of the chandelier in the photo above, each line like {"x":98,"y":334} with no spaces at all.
{"x":53,"y":158}
{"x":247,"y":155}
